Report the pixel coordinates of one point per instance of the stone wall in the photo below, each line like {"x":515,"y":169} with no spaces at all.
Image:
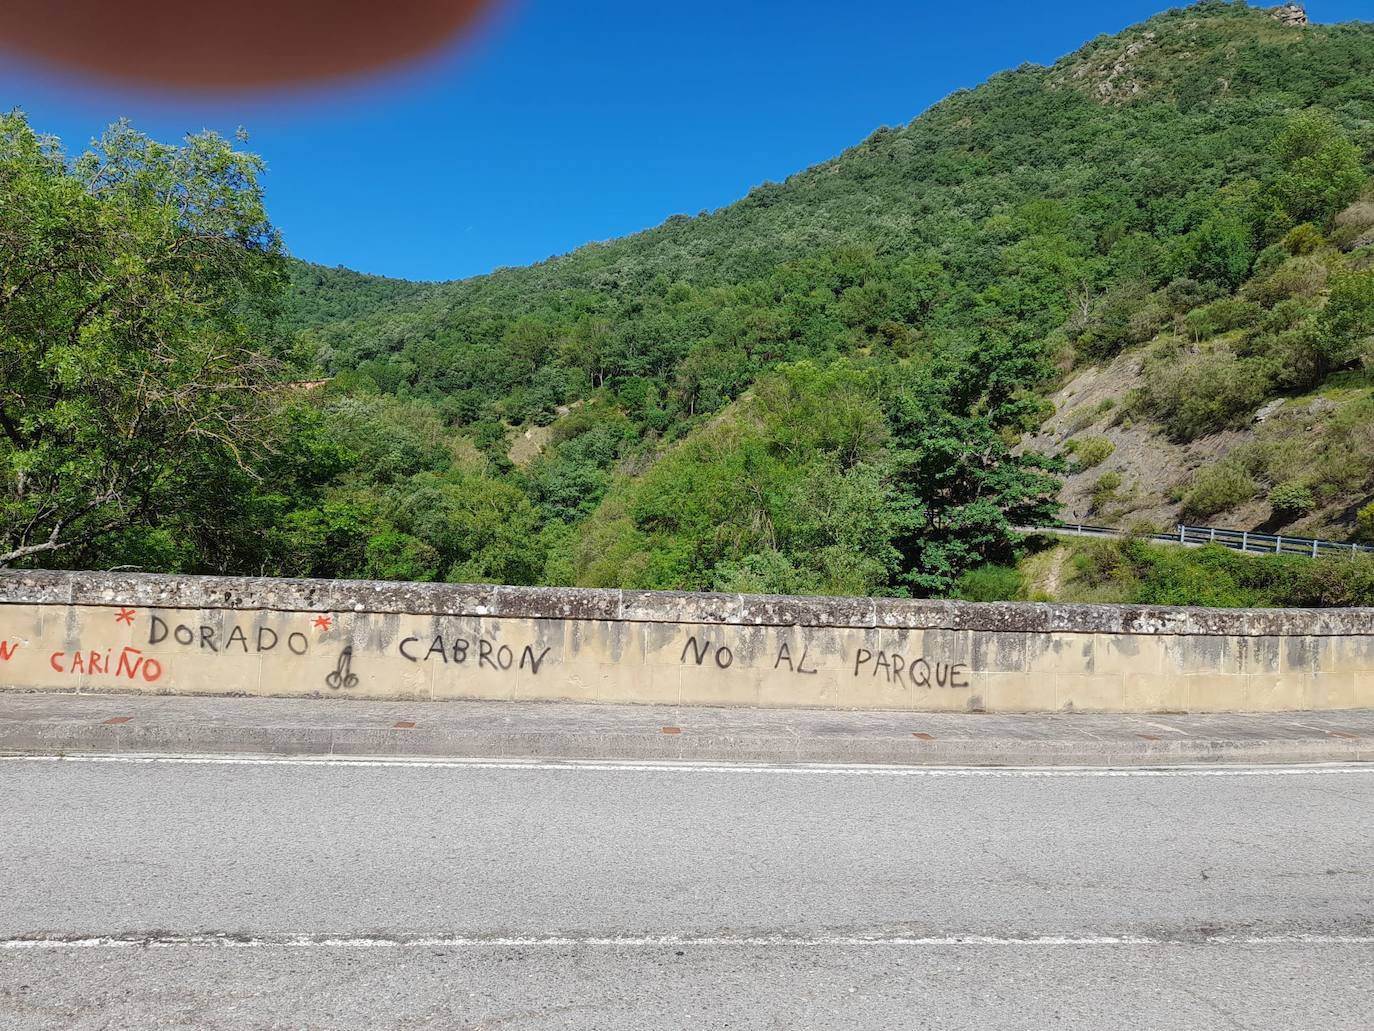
{"x":206,"y":636}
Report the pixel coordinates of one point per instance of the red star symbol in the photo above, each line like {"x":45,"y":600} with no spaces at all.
{"x":324,"y":622}
{"x":125,"y":616}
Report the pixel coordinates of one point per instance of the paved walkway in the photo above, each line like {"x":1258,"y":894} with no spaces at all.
{"x":52,"y":724}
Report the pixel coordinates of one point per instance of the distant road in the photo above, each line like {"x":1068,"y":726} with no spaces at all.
{"x":1248,"y":541}
{"x":325,"y":894}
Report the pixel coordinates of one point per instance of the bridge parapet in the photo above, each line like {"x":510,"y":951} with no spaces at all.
{"x":95,"y":632}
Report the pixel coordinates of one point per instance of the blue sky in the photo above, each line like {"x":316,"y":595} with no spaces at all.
{"x":561,"y":123}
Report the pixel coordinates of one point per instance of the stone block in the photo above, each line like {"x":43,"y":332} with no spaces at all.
{"x":381,"y":676}
{"x":645,"y":685}
{"x":1014,"y":692}
{"x":1090,"y":692}
{"x":805,"y":651}
{"x":556,"y":603}
{"x":1330,"y":690}
{"x":876,"y":687}
{"x":473,"y":678}
{"x":809,"y":612}
{"x":1154,"y":692}
{"x":599,"y":641}
{"x":900,"y":614}
{"x":243,"y":675}
{"x":953,"y":647}
{"x":1200,"y":655}
{"x":1272,"y":692}
{"x":580,"y":682}
{"x":1364,"y":691}
{"x":822,"y":690}
{"x":999,"y":651}
{"x":934,"y":699}
{"x":1258,"y":655}
{"x":910,"y":644}
{"x":1299,"y":655}
{"x":1351,"y":654}
{"x":710,"y":686}
{"x":699,"y":646}
{"x":671,"y":607}
{"x":1215,"y":692}
{"x":843,"y":650}
{"x":1070,"y":654}
{"x":1126,"y":654}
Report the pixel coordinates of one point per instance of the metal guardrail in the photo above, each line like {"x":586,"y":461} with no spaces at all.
{"x":1237,"y":540}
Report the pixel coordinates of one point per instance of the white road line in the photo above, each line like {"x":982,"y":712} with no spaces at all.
{"x":803,"y":769}
{"x":306,"y":941}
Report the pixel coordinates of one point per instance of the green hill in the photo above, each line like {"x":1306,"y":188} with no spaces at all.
{"x":1183,"y":181}
{"x":1142,"y":135}
{"x":847,"y":381}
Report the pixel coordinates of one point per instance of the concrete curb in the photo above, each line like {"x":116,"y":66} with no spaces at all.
{"x":698,"y":748}
{"x":121,"y":725}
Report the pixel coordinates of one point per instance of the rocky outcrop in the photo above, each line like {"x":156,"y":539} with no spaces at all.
{"x":1291,"y":14}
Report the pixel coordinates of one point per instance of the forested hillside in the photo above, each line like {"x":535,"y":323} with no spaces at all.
{"x":855,"y":381}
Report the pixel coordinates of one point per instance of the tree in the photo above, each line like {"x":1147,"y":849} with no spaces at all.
{"x":1219,"y":251}
{"x":135,"y":283}
{"x":965,"y":493}
{"x":1321,"y":172}
{"x":474,"y":529}
{"x":1348,"y":319}
{"x":960,"y":487}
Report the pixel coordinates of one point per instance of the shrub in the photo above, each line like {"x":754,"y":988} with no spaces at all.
{"x":1090,"y":451}
{"x":1079,"y":420}
{"x":1207,"y":392}
{"x":1359,"y":216}
{"x":1292,"y":499}
{"x":1269,"y":261}
{"x":1297,"y":277}
{"x":1321,"y":171}
{"x":1337,"y":455}
{"x":1217,"y":488}
{"x":1303,"y":239}
{"x":990,"y":583}
{"x":767,"y":572}
{"x":1137,"y":404}
{"x":1144,"y":528}
{"x":1098,"y":564}
{"x":392,"y":555}
{"x":1185,"y":576}
{"x":1184,"y":295}
{"x":1364,"y":523}
{"x":1349,"y":314}
{"x":1146,"y":574}
{"x":1288,"y":315}
{"x":1221,"y":317}
{"x":1300,"y":358}
{"x":1147,"y":320}
{"x":1104,"y":490}
{"x":1124,"y":315}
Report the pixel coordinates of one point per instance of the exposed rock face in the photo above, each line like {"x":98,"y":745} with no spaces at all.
{"x":1291,"y":14}
{"x":1111,"y":76}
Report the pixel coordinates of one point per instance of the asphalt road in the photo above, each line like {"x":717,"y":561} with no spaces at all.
{"x":325,"y":894}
